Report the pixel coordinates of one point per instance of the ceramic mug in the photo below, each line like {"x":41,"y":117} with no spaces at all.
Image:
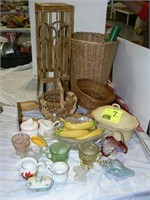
{"x":29,"y":167}
{"x":58,"y":151}
{"x":47,"y":128}
{"x":88,"y":153}
{"x":59,"y":171}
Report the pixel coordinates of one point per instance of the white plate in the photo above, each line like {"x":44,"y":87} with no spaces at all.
{"x":39,"y":183}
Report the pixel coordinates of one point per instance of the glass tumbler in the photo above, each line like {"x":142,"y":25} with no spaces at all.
{"x":20,"y":141}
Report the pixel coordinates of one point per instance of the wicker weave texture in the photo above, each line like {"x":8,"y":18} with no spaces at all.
{"x":57,"y":102}
{"x":92,"y":94}
{"x":92,"y":57}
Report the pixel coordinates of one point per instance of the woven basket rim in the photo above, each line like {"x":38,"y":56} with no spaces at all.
{"x":105,"y":36}
{"x":89,"y":42}
{"x":94,"y":81}
{"x":109,"y":97}
{"x":97,"y":43}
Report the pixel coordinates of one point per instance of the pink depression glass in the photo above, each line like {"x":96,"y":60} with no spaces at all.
{"x":20,"y":141}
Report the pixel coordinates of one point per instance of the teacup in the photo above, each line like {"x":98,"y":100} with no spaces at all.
{"x":29,"y":167}
{"x":58,"y":151}
{"x":59,"y":171}
{"x":88,"y":153}
{"x":47,"y":128}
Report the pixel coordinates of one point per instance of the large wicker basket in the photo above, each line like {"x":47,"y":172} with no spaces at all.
{"x":92,"y":94}
{"x":92,"y":57}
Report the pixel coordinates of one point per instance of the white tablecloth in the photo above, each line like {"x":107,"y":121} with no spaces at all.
{"x":98,"y":186}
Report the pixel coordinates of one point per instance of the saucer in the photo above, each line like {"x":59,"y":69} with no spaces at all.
{"x":39,"y":183}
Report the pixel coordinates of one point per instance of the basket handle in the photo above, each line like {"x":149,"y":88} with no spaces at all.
{"x":62,"y":101}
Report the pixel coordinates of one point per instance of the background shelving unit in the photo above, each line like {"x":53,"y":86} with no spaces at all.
{"x":15,"y":18}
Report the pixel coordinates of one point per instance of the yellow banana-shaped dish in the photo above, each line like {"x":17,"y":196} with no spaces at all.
{"x":96,"y":132}
{"x":72,"y":133}
{"x":39,"y":141}
{"x":79,"y":126}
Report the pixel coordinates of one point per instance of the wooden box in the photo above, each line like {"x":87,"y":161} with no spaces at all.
{"x":28,"y":109}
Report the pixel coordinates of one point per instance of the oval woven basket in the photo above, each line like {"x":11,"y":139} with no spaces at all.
{"x":92,"y":94}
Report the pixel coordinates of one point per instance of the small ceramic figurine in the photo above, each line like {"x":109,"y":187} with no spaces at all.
{"x":116,"y":168}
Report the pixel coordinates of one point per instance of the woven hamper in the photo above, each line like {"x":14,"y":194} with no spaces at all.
{"x":92,"y":57}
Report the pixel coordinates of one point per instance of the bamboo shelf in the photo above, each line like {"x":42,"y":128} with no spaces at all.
{"x":54,"y":27}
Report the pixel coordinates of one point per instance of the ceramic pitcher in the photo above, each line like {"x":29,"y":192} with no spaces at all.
{"x":47,"y":128}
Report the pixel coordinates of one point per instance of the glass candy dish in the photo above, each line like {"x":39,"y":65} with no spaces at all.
{"x":116,"y":168}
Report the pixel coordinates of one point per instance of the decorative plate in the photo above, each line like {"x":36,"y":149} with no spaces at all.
{"x":39,"y":183}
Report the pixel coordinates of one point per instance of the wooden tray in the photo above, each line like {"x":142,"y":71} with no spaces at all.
{"x":27,"y":107}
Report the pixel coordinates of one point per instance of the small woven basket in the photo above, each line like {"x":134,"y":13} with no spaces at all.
{"x":57,"y":103}
{"x":92,"y":94}
{"x":91,"y":57}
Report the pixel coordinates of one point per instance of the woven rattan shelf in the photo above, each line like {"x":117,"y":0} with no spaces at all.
{"x":54,"y":24}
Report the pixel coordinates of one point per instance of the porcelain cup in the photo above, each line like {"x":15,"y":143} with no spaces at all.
{"x":47,"y":128}
{"x":59,"y":171}
{"x":58,"y":151}
{"x":29,"y":167}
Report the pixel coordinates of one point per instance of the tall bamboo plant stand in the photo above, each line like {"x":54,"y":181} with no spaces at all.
{"x":54,"y":27}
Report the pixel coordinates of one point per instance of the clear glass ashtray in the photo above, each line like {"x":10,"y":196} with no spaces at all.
{"x":32,"y":151}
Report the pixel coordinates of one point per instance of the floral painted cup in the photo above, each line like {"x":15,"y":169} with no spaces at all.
{"x":29,"y":167}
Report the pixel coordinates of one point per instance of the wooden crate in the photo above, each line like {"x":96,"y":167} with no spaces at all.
{"x":25,"y":107}
{"x":54,"y":27}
